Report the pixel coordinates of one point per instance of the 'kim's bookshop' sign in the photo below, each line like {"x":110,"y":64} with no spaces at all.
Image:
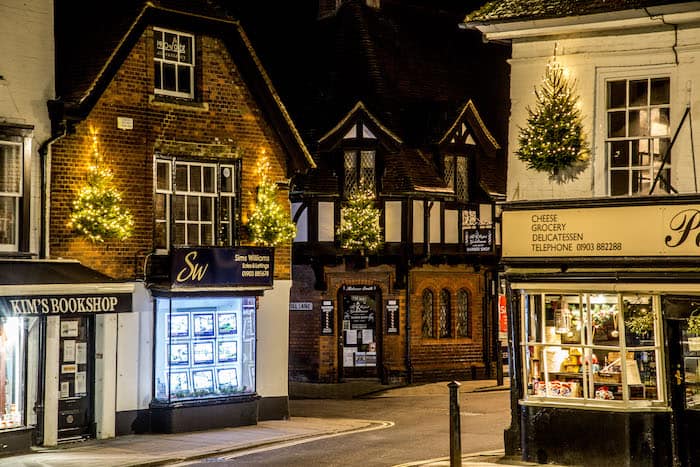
{"x":207,"y":267}
{"x":46,"y":305}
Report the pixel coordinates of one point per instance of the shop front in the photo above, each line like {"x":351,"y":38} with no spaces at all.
{"x":50,"y":313}
{"x":604,"y":362}
{"x":206,"y":337}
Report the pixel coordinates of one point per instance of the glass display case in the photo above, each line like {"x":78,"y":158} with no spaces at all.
{"x":205,"y":348}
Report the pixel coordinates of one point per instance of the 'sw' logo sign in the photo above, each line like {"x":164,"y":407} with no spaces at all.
{"x":192,"y":271}
{"x":685,"y":223}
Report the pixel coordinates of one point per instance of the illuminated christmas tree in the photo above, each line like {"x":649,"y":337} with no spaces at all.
{"x":553,"y":140}
{"x":97,"y":212}
{"x":359,"y":226}
{"x":269,"y":223}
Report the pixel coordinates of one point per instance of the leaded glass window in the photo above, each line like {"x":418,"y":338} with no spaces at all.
{"x":444,"y":316}
{"x":428,"y":329}
{"x":464,"y":328}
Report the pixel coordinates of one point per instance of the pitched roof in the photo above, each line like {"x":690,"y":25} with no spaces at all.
{"x":90,"y":50}
{"x":514,"y":10}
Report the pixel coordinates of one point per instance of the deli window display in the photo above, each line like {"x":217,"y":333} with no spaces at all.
{"x":592,"y":349}
{"x":204,"y":348}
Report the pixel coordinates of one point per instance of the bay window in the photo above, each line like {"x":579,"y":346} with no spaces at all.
{"x":592,"y":348}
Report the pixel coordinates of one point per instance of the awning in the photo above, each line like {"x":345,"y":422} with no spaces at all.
{"x":15,"y":272}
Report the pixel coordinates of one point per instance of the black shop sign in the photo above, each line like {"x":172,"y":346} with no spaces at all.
{"x":392,"y":316}
{"x":46,"y":305}
{"x":327,"y":318}
{"x":207,"y":267}
{"x":478,"y":240}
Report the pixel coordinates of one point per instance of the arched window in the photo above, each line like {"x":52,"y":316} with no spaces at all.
{"x":464,"y":323}
{"x":444,"y":320}
{"x":428,"y":330}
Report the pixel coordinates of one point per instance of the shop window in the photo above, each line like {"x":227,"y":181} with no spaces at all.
{"x":464,"y":325}
{"x":428,"y":329}
{"x":14,"y":335}
{"x":592,"y":348}
{"x":638,"y":135}
{"x":204,"y":348}
{"x":444,"y":317}
{"x":196,"y":203}
{"x":173,"y":63}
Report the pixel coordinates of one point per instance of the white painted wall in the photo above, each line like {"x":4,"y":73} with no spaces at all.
{"x":273,"y":341}
{"x":326,"y":221}
{"x":135,"y":353}
{"x":27,"y":83}
{"x":392,"y":221}
{"x":590,"y":58}
{"x":105,"y":374}
{"x":51,"y":391}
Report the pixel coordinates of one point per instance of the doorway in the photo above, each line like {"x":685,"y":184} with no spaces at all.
{"x":360,"y":336}
{"x":684,"y":377}
{"x":76,"y":381}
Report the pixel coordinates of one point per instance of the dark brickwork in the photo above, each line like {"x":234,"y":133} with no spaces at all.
{"x":223,"y":121}
{"x":315,"y":358}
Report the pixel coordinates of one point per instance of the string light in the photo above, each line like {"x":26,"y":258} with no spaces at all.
{"x":553,"y":140}
{"x":269,"y":223}
{"x":359,"y":227}
{"x":97,"y":212}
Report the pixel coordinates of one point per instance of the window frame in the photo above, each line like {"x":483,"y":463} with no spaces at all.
{"x":602,"y":185}
{"x":15,"y":196}
{"x":177,"y":63}
{"x":588,"y":343}
{"x":452,"y":175}
{"x":170,"y":191}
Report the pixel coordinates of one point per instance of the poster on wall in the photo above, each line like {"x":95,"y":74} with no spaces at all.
{"x":327,"y":318}
{"x":227,"y":324}
{"x":69,"y":328}
{"x":69,"y":351}
{"x":81,"y":353}
{"x":80,"y":383}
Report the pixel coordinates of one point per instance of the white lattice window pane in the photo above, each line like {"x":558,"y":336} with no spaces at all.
{"x":449,"y":171}
{"x":367,"y":172}
{"x":462,"y":186}
{"x":350,"y":172}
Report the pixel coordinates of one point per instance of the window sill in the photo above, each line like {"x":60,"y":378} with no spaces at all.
{"x":159,"y":100}
{"x":610,"y":406}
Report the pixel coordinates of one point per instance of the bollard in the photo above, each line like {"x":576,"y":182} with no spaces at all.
{"x":455,"y":429}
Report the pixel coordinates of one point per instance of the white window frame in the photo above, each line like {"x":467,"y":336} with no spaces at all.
{"x":177,"y":63}
{"x":15,"y":196}
{"x":603,"y":76}
{"x":217,"y":196}
{"x":659,"y":404}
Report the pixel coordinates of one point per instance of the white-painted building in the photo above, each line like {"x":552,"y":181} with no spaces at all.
{"x":603,"y":271}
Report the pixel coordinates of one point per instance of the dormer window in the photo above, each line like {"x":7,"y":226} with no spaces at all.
{"x":359,"y":161}
{"x":457,"y":175}
{"x":360,"y":171}
{"x":173,"y":63}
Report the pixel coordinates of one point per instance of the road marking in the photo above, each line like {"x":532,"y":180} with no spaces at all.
{"x":376,"y":425}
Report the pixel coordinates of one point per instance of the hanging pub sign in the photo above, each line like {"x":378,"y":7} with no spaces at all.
{"x":392,"y":316}
{"x":478,"y":240}
{"x":35,"y":305}
{"x":207,"y":267}
{"x":327,"y":317}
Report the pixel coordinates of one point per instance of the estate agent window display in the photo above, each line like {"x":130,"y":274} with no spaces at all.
{"x":592,"y":349}
{"x":204,"y":348}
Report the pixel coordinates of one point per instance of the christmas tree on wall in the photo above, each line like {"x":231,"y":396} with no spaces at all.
{"x":269,"y":224}
{"x":359,"y":226}
{"x":97,"y":212}
{"x":553,"y":140}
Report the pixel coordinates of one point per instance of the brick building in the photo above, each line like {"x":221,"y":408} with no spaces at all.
{"x":183,"y":325}
{"x":380,"y":98}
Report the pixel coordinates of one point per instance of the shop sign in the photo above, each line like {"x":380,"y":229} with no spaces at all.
{"x":478,"y":240}
{"x":35,"y":305}
{"x":359,"y":288}
{"x":655,"y":230}
{"x":301,"y":306}
{"x":206,"y":267}
{"x":327,"y":318}
{"x":392,"y":316}
{"x":502,"y":317}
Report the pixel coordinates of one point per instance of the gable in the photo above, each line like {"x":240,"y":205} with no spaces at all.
{"x":469,"y":129}
{"x":358,"y":124}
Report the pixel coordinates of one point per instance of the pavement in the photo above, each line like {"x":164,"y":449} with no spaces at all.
{"x":171,"y":449}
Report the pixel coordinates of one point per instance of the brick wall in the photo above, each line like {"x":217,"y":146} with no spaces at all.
{"x":225,"y":120}
{"x":449,"y":357}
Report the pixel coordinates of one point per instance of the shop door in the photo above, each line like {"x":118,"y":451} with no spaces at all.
{"x":684,"y":381}
{"x":360,"y":336}
{"x":76,"y":382}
